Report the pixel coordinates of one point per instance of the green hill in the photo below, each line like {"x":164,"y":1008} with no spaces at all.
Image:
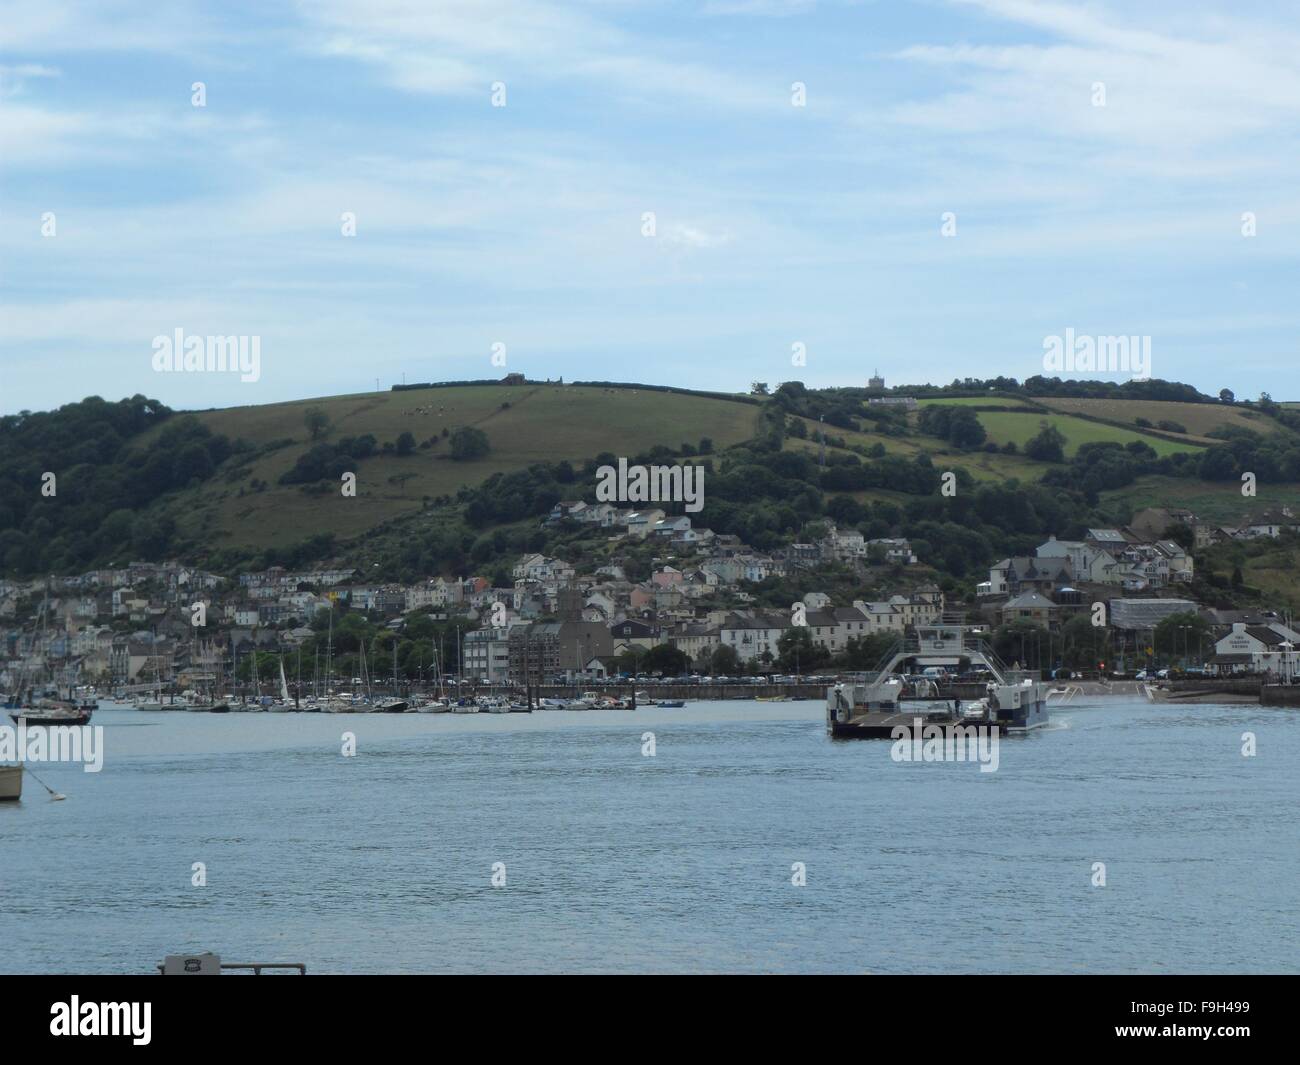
{"x":524,"y":424}
{"x":254,"y":484}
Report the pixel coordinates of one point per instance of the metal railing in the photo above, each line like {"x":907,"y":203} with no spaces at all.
{"x":257,"y":967}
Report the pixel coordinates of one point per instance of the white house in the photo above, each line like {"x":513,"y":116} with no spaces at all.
{"x":1256,"y":649}
{"x":880,"y":617}
{"x":753,"y":634}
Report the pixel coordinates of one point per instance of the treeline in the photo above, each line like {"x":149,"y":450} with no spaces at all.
{"x":839,"y":407}
{"x":95,"y":507}
{"x":1103,"y":466}
{"x":1059,"y":388}
{"x":674,"y":389}
{"x":960,"y":426}
{"x":1153,"y":389}
{"x":329,"y":461}
{"x":455,"y":384}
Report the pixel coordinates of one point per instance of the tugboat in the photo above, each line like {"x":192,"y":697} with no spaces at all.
{"x":905,"y":688}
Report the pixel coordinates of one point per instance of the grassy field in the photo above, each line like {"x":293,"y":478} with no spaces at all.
{"x":1274,"y":571}
{"x":1198,"y":418}
{"x":1009,"y":427}
{"x":1212,"y":502}
{"x":981,"y":465}
{"x":542,"y":423}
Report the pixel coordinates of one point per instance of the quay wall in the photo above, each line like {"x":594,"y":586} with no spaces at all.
{"x":1280,"y":695}
{"x":1232,"y":685}
{"x":688,"y":692}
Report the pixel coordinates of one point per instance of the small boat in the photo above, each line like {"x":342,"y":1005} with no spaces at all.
{"x":11,"y":783}
{"x":390,"y":706}
{"x":196,"y":703}
{"x":52,"y":715}
{"x":643,"y":699}
{"x":671,"y":704}
{"x":772,"y":698}
{"x":433,"y":706}
{"x":553,"y":704}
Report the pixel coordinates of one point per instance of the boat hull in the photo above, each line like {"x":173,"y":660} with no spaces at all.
{"x":36,"y":717}
{"x":11,"y":783}
{"x":878,"y":722}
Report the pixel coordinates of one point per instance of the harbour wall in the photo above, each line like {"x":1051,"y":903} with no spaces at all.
{"x":1280,"y":695}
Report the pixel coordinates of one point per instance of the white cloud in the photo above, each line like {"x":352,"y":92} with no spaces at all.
{"x":1165,"y":90}
{"x":461,"y":47}
{"x":67,"y":26}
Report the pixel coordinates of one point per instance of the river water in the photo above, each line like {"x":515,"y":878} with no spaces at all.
{"x":678,"y":861}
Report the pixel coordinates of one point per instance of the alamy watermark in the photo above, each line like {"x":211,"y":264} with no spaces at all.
{"x":1081,"y":353}
{"x":78,"y":1018}
{"x":920,"y":742}
{"x":651,"y":484}
{"x":54,"y":743}
{"x":179,"y":353}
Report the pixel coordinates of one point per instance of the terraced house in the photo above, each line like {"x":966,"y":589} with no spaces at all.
{"x":753,"y":634}
{"x":833,"y":627}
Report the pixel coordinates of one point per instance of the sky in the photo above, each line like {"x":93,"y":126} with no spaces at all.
{"x":703,"y":193}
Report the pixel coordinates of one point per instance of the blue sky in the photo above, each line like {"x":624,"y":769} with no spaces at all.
{"x":522,"y":224}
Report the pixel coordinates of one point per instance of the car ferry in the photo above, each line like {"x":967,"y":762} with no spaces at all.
{"x":912,"y":684}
